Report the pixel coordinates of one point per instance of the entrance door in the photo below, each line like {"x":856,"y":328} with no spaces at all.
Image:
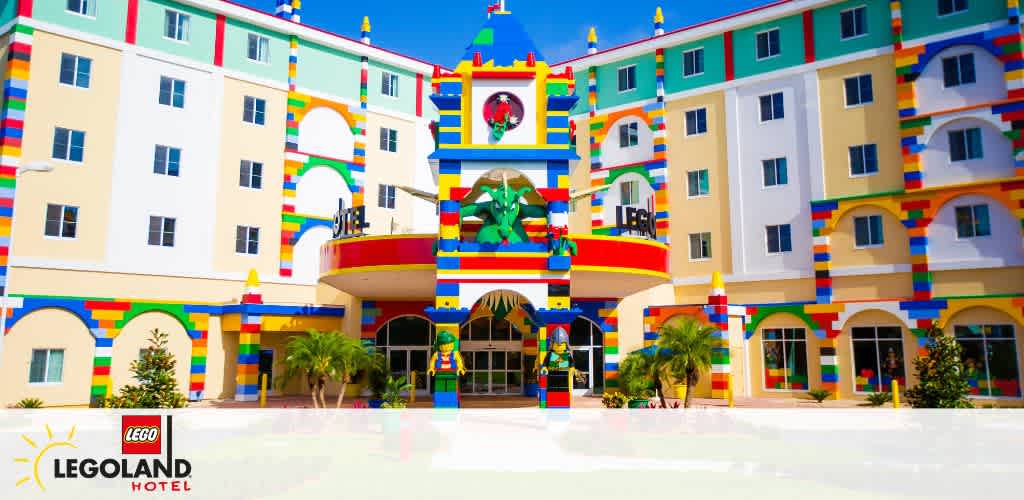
{"x":266,"y":369}
{"x":494,"y":369}
{"x":581,"y":384}
{"x":402,"y":361}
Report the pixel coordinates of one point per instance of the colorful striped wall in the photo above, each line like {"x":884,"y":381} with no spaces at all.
{"x":12,"y":115}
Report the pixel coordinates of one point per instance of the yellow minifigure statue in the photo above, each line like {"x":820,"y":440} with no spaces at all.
{"x":445,"y":366}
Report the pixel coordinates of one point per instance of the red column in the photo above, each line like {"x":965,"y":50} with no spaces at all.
{"x":131,"y":21}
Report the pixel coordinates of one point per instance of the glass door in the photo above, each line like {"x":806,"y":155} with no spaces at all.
{"x":581,"y":384}
{"x":402,"y":361}
{"x":493,"y":372}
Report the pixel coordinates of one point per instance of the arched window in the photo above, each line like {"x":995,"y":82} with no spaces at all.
{"x":587,"y":340}
{"x":406,"y":341}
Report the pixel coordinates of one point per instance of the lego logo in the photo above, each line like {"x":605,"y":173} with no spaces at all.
{"x":141,"y":434}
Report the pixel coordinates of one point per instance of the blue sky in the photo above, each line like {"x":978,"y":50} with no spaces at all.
{"x":439,"y":30}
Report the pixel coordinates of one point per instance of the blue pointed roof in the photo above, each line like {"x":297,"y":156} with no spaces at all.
{"x":503,"y":40}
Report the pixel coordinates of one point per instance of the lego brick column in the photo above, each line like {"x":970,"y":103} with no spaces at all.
{"x":197,"y":372}
{"x":447,"y":319}
{"x":247,"y":371}
{"x":821,"y":214}
{"x":829,"y":366}
{"x":553,"y":398}
{"x":16,"y":74}
{"x":659,"y":169}
{"x":104,"y":316}
{"x":719,"y":318}
{"x":917,"y":233}
{"x":609,"y":314}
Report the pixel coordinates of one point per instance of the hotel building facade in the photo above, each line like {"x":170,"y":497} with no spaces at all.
{"x":849,"y":168}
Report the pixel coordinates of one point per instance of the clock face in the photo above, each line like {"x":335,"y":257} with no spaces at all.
{"x":503,"y":111}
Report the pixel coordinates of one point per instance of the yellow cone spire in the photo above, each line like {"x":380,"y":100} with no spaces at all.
{"x":592,"y":36}
{"x":365,"y":28}
{"x":658,"y":16}
{"x":716,"y":282}
{"x":253,"y":280}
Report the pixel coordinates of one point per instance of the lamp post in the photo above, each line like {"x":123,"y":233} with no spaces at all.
{"x":38,"y":166}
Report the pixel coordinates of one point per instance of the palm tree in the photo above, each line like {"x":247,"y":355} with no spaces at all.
{"x":683,"y":350}
{"x":355,"y":357}
{"x":316,"y":356}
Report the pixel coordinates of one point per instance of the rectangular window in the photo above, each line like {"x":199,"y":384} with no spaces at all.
{"x":250,"y":174}
{"x":61,"y":221}
{"x":772,"y":107}
{"x":68,"y":145}
{"x":947,"y":7}
{"x":629,"y":193}
{"x":83,"y":7}
{"x":176,"y":25}
{"x":859,"y":90}
{"x":853,"y":22}
{"x":386,"y":196}
{"x":627,"y":78}
{"x":965,"y":145}
{"x":693,"y":62}
{"x":785,"y":359}
{"x":989,"y":359}
{"x":259,"y":48}
{"x":247,"y":240}
{"x":254,"y":110}
{"x":779,"y":238}
{"x":75,"y":70}
{"x":958,"y":70}
{"x":700,"y":246}
{"x":172,"y":92}
{"x":877,"y":358}
{"x":388,"y":140}
{"x":697,"y":121}
{"x":47,"y":366}
{"x":864,"y":159}
{"x":167,"y":161}
{"x":629,"y":135}
{"x":775,"y":172}
{"x":972,"y":221}
{"x":161,"y":231}
{"x":389,"y":84}
{"x":698,"y":183}
{"x":868,"y":231}
{"x":768,"y":44}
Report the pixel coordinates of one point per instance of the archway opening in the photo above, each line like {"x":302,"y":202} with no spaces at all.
{"x":405,"y":342}
{"x":492,"y":345}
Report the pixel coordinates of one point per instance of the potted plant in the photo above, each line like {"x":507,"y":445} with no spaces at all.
{"x":635,"y":376}
{"x":393,"y":389}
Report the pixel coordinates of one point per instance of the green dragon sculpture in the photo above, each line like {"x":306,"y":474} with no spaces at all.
{"x":503,"y":215}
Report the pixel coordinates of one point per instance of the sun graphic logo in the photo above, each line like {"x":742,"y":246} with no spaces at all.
{"x":40,"y":452}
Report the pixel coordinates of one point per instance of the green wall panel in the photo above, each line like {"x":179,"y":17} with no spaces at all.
{"x":791,"y":47}
{"x":8,"y":10}
{"x":324,"y":69}
{"x":827,"y":29}
{"x":108,"y":23}
{"x":236,"y":51}
{"x":714,"y":67}
{"x":921,"y":17}
{"x":582,"y":105}
{"x":406,"y":100}
{"x":608,"y":94}
{"x":201,"y":44}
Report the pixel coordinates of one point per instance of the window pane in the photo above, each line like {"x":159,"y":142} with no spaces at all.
{"x":870,"y":158}
{"x":762,"y":45}
{"x":860,"y":230}
{"x":77,"y":150}
{"x":55,"y":366}
{"x":67,"y":69}
{"x":37,"y":368}
{"x":60,"y":143}
{"x":768,"y":171}
{"x":950,"y":72}
{"x":785,"y":242}
{"x":852,"y":95}
{"x":239,"y":239}
{"x":691,"y":183}
{"x":964,"y":222}
{"x":778,"y":107}
{"x":1002,"y":368}
{"x":705,"y":186}
{"x":766,"y":108}
{"x":973,"y":139}
{"x":981,"y":222}
{"x":967,"y":69}
{"x":957,"y":146}
{"x":876,"y":230}
{"x":69,"y":229}
{"x":782,"y":171}
{"x":772,"y":233}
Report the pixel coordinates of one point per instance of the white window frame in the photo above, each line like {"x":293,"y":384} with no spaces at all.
{"x":60,"y":229}
{"x":938,"y":15}
{"x":249,"y":178}
{"x":67,"y":150}
{"x":392,"y":138}
{"x":686,"y":119}
{"x":634,"y":188}
{"x":167,"y":160}
{"x":764,"y":383}
{"x":77,"y":58}
{"x":632,"y":130}
{"x":778,"y":228}
{"x":870,"y":232}
{"x":390,"y":196}
{"x":91,"y":5}
{"x":967,"y":152}
{"x":249,"y":240}
{"x":46,"y":368}
{"x":618,"y":78}
{"x":878,"y":343}
{"x":974,"y":222}
{"x":867,"y":29}
{"x":863,"y":153}
{"x":694,"y":51}
{"x":181,"y":29}
{"x":262,"y":48}
{"x":959,"y":70}
{"x":860,"y":91}
{"x":699,"y":194}
{"x":984,"y":343}
{"x":775,"y":163}
{"x":766,"y":33}
{"x":173,"y":80}
{"x":771,"y":96}
{"x":701,"y":240}
{"x":389,"y":81}
{"x":255,"y":112}
{"x":163,"y":231}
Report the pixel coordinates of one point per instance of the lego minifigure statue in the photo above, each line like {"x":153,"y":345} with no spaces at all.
{"x":445,"y":366}
{"x":560,"y":369}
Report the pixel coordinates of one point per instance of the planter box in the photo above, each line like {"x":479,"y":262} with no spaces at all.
{"x":375,"y":403}
{"x":638,"y":403}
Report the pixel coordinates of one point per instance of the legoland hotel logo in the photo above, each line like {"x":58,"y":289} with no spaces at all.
{"x":140,"y":435}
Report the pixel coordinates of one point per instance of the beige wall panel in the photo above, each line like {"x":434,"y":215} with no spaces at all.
{"x":782,"y":320}
{"x":631,"y":316}
{"x":847,"y":371}
{"x":238,"y":206}
{"x":91,"y":110}
{"x":277,"y":342}
{"x":385,"y":167}
{"x":750,"y":292}
{"x":704,"y":213}
{"x":737,"y":356}
{"x":875,"y":123}
{"x":894,"y":250}
{"x":216,"y":360}
{"x":579,"y":180}
{"x":877,"y":286}
{"x":135,"y":336}
{"x":47,"y":329}
{"x":978,"y":281}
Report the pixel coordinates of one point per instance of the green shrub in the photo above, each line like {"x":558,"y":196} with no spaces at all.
{"x":155,"y":373}
{"x":29,"y":403}
{"x":819,"y":395}
{"x":614,"y":400}
{"x":941,"y":378}
{"x":879,"y":398}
